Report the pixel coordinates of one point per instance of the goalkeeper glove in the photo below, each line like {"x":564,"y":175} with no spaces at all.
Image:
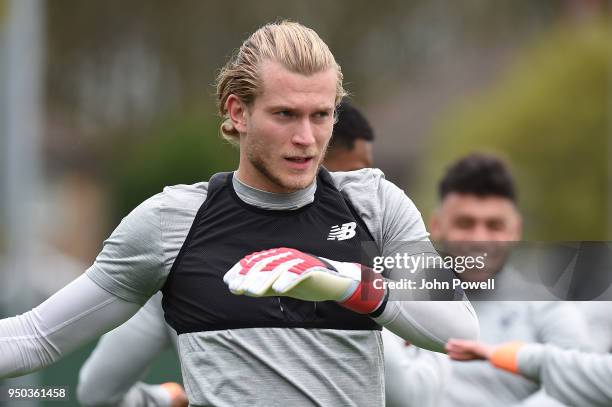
{"x":291,"y":273}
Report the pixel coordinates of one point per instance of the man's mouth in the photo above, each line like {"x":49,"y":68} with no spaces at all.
{"x":299,"y":162}
{"x":299,"y":159}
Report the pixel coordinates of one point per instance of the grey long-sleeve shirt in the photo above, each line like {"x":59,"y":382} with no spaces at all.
{"x":414,"y":377}
{"x":477,"y":383}
{"x":598,"y":315}
{"x":294,"y":366}
{"x":573,"y":377}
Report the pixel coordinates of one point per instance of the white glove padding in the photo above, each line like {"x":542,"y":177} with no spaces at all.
{"x":291,"y":273}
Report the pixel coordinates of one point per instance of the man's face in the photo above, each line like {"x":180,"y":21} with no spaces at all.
{"x":344,"y":159}
{"x":285,"y":131}
{"x":467,"y":217}
{"x":469,"y":225}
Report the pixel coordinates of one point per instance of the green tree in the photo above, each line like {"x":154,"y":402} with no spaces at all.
{"x":180,"y":150}
{"x":549,"y":117}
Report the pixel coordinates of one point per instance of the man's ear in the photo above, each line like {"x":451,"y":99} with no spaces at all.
{"x":237,"y":112}
{"x":519,"y":227}
{"x":434,"y":225}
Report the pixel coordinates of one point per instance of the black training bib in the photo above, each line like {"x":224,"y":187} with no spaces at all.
{"x":226,"y":229}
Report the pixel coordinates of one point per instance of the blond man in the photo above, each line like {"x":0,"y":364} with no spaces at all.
{"x":258,"y":267}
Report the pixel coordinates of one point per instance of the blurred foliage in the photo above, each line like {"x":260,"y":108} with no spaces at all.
{"x":178,"y":150}
{"x":3,"y":11}
{"x":94,"y":47}
{"x":116,"y":66}
{"x":549,"y":117}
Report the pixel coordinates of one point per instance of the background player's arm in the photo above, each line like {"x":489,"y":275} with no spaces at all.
{"x":573,"y":377}
{"x":560,"y":324}
{"x":411,"y":374}
{"x":599,"y":321}
{"x":140,"y":394}
{"x":109,"y":377}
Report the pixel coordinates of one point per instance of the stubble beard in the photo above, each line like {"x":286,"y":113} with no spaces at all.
{"x":291,"y":184}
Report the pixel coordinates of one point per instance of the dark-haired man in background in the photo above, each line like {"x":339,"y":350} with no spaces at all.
{"x":350,"y":147}
{"x":478,"y":211}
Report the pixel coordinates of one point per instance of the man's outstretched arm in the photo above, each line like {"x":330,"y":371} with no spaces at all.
{"x":430,"y":324}
{"x":126,"y":273}
{"x":70,"y":318}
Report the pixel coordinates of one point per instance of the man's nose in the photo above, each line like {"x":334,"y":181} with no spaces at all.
{"x":481,"y":233}
{"x":304,"y":133}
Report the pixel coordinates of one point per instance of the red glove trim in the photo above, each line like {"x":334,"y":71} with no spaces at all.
{"x":366,"y":298}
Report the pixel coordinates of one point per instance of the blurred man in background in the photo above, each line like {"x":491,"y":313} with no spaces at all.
{"x":350,"y":147}
{"x":478,"y":212}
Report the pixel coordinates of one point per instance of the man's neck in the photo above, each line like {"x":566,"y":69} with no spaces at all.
{"x":270,"y":200}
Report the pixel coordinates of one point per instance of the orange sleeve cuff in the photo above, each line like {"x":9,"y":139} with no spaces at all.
{"x":506,"y":356}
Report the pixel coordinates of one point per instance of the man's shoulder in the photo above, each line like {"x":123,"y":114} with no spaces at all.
{"x":369,"y":178}
{"x":184,"y":195}
{"x":172,"y":203}
{"x":176,"y":196}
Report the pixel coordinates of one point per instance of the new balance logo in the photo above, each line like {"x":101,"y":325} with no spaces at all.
{"x":343,"y":232}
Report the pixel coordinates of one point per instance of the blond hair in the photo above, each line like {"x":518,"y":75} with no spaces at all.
{"x":297,"y":48}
